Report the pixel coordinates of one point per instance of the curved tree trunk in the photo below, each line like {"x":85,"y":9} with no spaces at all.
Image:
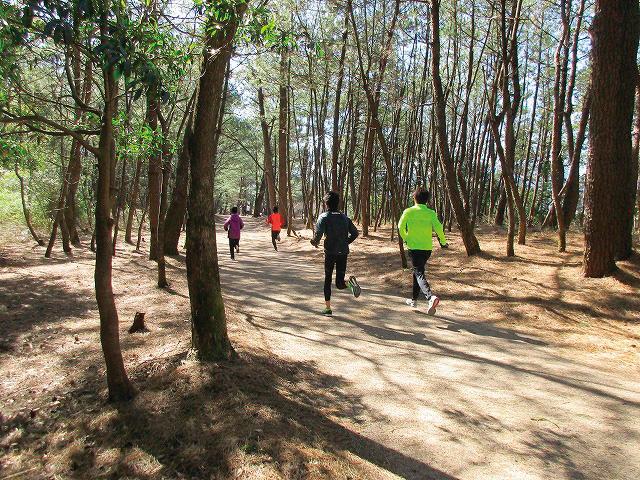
{"x":25,"y":209}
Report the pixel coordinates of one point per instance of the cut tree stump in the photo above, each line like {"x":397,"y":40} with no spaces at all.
{"x":138,"y":323}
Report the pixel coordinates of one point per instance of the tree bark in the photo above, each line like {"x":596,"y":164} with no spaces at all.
{"x":154,"y":176}
{"x":208,"y":320}
{"x":268,"y":152}
{"x":120,"y":388}
{"x":283,"y":137}
{"x":25,"y":209}
{"x":133,"y":202}
{"x":471,"y":244}
{"x":614,"y":36}
{"x":335,"y":143}
{"x":178,"y":206}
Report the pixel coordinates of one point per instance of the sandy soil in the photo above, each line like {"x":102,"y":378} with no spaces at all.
{"x":527,"y":371}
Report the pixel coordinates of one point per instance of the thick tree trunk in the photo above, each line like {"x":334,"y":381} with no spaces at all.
{"x":614,"y":35}
{"x":208,"y":320}
{"x":625,"y":244}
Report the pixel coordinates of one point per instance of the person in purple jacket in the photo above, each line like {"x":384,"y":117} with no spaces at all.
{"x":233,"y":225}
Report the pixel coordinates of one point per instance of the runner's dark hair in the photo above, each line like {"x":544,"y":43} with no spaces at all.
{"x":275,"y":209}
{"x":332,"y":200}
{"x":234,"y":209}
{"x":421,"y":195}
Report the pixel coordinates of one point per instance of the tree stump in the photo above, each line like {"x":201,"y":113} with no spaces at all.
{"x":138,"y":323}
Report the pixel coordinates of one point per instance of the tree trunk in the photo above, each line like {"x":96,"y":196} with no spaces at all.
{"x":178,"y":206}
{"x":625,"y":244}
{"x":118,"y":383}
{"x":154,"y":177}
{"x":283,"y":137}
{"x":257,"y":207}
{"x":25,"y":209}
{"x":133,"y":201}
{"x":614,"y":35}
{"x":335,"y":143}
{"x":166,"y":174}
{"x":468,"y":237}
{"x":268,"y":153}
{"x":208,"y":320}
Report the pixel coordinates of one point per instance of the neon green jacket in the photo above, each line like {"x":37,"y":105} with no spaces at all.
{"x":416,"y":227}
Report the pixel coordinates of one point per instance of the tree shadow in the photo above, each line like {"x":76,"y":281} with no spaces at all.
{"x":33,"y":302}
{"x":205,"y":420}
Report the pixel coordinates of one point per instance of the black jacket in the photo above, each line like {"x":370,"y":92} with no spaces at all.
{"x":339,"y":232}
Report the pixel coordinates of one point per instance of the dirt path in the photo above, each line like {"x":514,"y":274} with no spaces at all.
{"x":442,"y":396}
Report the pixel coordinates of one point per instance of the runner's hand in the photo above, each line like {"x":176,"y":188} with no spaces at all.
{"x":315,"y":244}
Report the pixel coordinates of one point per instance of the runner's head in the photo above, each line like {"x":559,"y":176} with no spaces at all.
{"x":275,"y":209}
{"x":234,"y":209}
{"x":421,"y":196}
{"x":331,"y":200}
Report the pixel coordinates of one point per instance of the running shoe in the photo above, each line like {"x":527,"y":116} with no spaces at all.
{"x":433,"y":303}
{"x":354,"y":287}
{"x":327,"y":311}
{"x":411,"y":302}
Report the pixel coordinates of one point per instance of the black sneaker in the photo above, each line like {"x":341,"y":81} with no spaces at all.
{"x":354,"y":287}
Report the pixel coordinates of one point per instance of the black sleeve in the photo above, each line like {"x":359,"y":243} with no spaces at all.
{"x":321,"y":228}
{"x":353,"y":231}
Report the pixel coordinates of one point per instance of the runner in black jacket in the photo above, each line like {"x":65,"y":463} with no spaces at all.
{"x":339,"y":232}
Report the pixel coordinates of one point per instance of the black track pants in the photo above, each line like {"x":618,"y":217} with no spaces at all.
{"x":339,"y":262}
{"x":419,"y":261}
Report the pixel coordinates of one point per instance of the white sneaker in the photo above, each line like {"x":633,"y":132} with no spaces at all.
{"x":411,"y":303}
{"x":433,"y":303}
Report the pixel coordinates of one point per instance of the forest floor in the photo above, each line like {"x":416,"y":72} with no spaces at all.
{"x":526,"y":371}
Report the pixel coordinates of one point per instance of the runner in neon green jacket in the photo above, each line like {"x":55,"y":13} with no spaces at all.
{"x":416,"y":227}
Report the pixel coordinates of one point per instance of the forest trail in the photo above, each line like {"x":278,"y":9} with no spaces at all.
{"x":441,"y":396}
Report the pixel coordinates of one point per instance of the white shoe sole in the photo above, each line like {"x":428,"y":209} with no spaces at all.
{"x":432,"y":308}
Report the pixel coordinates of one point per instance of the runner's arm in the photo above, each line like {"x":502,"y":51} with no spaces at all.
{"x":226,"y":224}
{"x":437,"y":226}
{"x":402,"y":226}
{"x":320,"y":229}
{"x":353,"y":232}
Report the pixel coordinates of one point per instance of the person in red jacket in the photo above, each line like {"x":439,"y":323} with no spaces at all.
{"x":276,"y":221}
